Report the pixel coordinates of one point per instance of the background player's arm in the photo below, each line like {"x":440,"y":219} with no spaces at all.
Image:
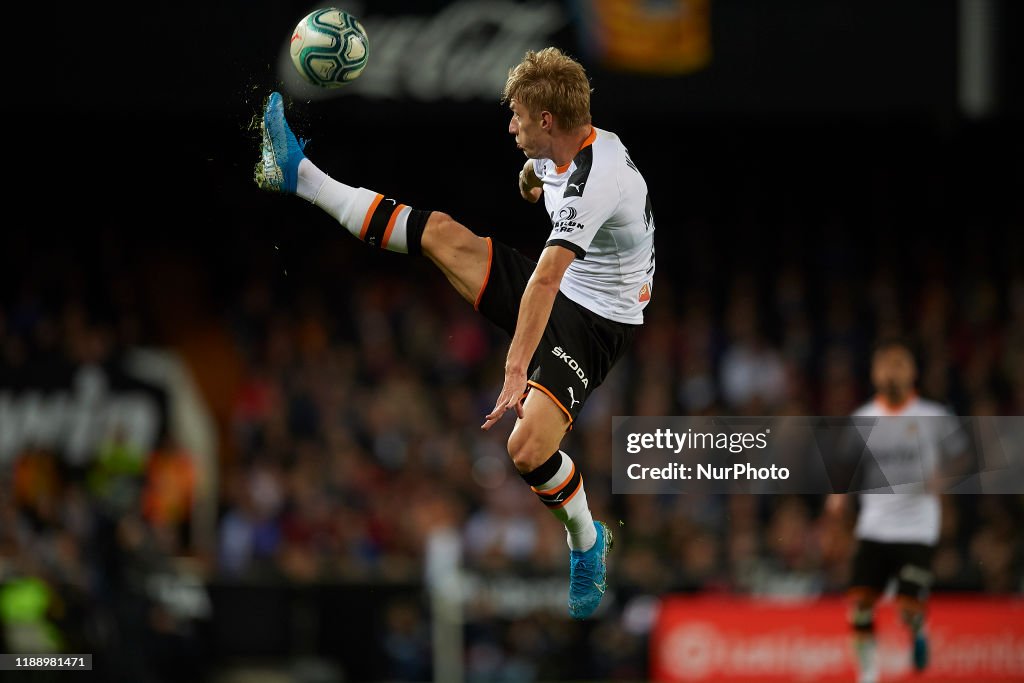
{"x":530,"y":186}
{"x":534,"y":311}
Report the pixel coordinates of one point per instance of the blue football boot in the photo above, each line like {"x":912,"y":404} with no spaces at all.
{"x":281,"y":151}
{"x":588,"y":574}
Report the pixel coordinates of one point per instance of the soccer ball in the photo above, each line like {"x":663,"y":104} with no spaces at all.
{"x":329,"y":47}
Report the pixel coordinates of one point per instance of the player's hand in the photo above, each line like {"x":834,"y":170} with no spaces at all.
{"x":532,"y":195}
{"x":529,"y":192}
{"x":511,"y":397}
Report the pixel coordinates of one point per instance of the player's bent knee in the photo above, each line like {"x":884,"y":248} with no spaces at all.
{"x":445,"y":233}
{"x":527,"y":453}
{"x":460,"y":254}
{"x":439,"y":222}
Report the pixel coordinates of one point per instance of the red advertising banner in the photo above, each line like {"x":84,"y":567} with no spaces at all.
{"x":704,"y":639}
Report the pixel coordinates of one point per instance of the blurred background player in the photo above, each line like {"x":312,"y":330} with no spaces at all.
{"x":571,"y":315}
{"x":896,"y":532}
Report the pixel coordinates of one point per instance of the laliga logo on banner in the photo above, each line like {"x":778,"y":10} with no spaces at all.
{"x":691,"y":652}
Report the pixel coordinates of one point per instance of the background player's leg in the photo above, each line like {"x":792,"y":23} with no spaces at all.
{"x":551,"y":474}
{"x":862,"y":621}
{"x":914,"y":579}
{"x":912,"y":613}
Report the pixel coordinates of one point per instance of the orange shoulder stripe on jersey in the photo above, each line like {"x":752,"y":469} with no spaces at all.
{"x":487,"y":276}
{"x":551,"y":492}
{"x":391,"y":226}
{"x":586,"y":143}
{"x":369,"y":215}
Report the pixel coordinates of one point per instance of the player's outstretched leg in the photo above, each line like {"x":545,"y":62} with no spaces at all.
{"x":559,"y":486}
{"x":912,"y":612}
{"x":862,"y":620}
{"x":380,"y":222}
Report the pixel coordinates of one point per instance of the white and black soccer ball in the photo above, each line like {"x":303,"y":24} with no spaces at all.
{"x":329,"y":48}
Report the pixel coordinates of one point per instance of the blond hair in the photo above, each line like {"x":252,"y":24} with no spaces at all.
{"x":552,"y":81}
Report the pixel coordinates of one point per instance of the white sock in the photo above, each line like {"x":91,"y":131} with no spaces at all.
{"x":867,"y":659}
{"x":366,"y":214}
{"x":559,"y":485}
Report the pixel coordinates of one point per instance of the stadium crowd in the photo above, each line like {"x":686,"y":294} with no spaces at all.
{"x":354,"y":432}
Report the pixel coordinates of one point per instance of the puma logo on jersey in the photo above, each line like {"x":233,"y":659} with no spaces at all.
{"x":571,"y":362}
{"x":578,"y":186}
{"x":573,"y":397}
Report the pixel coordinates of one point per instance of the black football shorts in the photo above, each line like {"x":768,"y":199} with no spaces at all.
{"x":578,"y":347}
{"x":909,"y":563}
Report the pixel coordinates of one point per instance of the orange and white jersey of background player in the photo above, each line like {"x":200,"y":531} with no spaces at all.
{"x":906,"y":450}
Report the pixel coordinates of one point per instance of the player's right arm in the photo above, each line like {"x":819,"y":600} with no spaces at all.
{"x":529,"y":184}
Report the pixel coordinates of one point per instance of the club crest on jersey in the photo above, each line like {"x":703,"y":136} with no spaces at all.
{"x":571,"y":362}
{"x":645,"y":293}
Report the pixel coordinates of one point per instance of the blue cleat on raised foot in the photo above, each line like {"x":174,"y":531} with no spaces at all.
{"x":920,"y":651}
{"x":588,"y":574}
{"x":280,"y":150}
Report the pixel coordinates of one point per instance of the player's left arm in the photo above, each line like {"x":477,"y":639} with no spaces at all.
{"x":534,"y":312}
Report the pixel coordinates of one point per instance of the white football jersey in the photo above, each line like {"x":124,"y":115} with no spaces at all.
{"x":600,"y":210}
{"x":907,"y":453}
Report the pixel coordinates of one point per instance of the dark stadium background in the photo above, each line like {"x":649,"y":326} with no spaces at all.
{"x":816,"y":185}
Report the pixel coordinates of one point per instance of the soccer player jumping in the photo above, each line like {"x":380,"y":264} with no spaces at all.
{"x":571,"y":315}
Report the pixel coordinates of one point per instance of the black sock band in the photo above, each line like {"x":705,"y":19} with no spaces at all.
{"x":414,"y":230}
{"x":559,"y":496}
{"x":379,"y":220}
{"x":867,"y":628}
{"x":862,"y":620}
{"x":544,"y":472}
